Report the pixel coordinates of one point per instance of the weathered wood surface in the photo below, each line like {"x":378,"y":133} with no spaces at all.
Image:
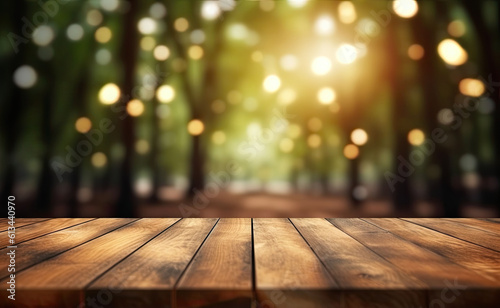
{"x":244,"y":262}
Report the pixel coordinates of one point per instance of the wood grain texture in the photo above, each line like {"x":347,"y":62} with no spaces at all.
{"x":49,"y":245}
{"x":64,"y":276}
{"x":461,"y":231}
{"x":35,"y":230}
{"x":20,"y":222}
{"x":346,"y":263}
{"x":484,"y":225}
{"x":497,"y":220}
{"x":147,"y":277}
{"x":477,"y":258}
{"x":355,"y":267}
{"x":287,"y":272}
{"x":449,"y":284}
{"x":221,"y":271}
{"x":429,"y":267}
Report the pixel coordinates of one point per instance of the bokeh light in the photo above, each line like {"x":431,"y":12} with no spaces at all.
{"x":218,"y":137}
{"x":405,"y":8}
{"x":74,"y":32}
{"x":351,"y":151}
{"x":181,"y":24}
{"x":286,"y":145}
{"x":103,"y":35}
{"x":25,"y":77}
{"x":267,"y":5}
{"x":347,"y":12}
{"x":161,"y":52}
{"x":238,"y":31}
{"x":210,"y":10}
{"x":315,"y":124}
{"x":468,"y":162}
{"x":297,"y":3}
{"x":195,"y":127}
{"x":360,"y":193}
{"x":197,"y":36}
{"x":195,"y":52}
{"x":110,"y":5}
{"x":43,"y":35}
{"x":99,"y":160}
{"x":135,"y":107}
{"x":109,"y":94}
{"x":326,"y":96}
{"x":148,"y":43}
{"x":157,"y":10}
{"x":471,"y":180}
{"x":218,"y":106}
{"x":83,"y":125}
{"x":142,"y":146}
{"x":347,"y":54}
{"x":324,"y":25}
{"x":294,"y":131}
{"x":147,"y":25}
{"x":416,"y":52}
{"x":359,"y":137}
{"x":103,"y":56}
{"x":452,"y":53}
{"x":289,"y":62}
{"x":314,"y":141}
{"x":271,"y":83}
{"x":471,"y":87}
{"x":165,"y":93}
{"x":321,"y":65}
{"x":94,"y":17}
{"x":416,"y":137}
{"x":445,"y":116}
{"x":287,"y":96}
{"x":457,"y":28}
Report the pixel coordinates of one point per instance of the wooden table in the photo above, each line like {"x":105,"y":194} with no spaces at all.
{"x":243,"y":262}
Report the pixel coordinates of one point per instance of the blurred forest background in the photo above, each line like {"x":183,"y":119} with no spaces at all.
{"x":250,"y":108}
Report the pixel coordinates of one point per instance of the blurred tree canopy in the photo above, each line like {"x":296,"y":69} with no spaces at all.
{"x":125,"y":102}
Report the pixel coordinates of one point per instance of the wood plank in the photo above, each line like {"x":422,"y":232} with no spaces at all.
{"x":356,"y":267}
{"x":496,"y":220}
{"x":221,"y":272}
{"x":20,"y":222}
{"x":52,"y":244}
{"x":35,"y":230}
{"x":480,"y":224}
{"x":483,"y":261}
{"x":463,"y":232}
{"x":59,"y":281}
{"x":431,"y":268}
{"x":287,"y":272}
{"x":147,"y":277}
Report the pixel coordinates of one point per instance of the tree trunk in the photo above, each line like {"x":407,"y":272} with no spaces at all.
{"x":126,"y":205}
{"x":155,"y":162}
{"x":443,"y":189}
{"x":196,"y":176}
{"x":13,"y":104}
{"x":489,"y":69}
{"x":354,"y":180}
{"x":402,"y":196}
{"x":45,"y":183}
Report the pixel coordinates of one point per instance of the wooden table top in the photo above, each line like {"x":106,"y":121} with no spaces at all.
{"x":261,"y":262}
